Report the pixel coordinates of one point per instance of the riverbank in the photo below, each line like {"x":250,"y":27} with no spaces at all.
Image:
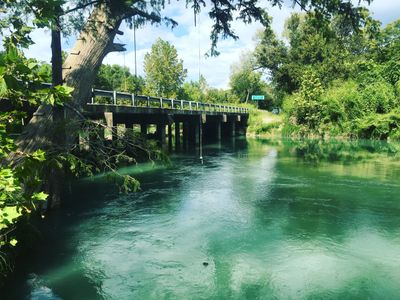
{"x":264,"y":124}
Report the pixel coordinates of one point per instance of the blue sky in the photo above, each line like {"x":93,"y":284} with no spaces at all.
{"x":188,"y":39}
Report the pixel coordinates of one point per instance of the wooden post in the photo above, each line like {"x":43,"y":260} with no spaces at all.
{"x":143,"y":129}
{"x":194,"y":131}
{"x":232,"y":128}
{"x":177,"y":134}
{"x":218,"y":130}
{"x":185,"y":133}
{"x":161,"y":133}
{"x":170,"y":135}
{"x":196,"y":137}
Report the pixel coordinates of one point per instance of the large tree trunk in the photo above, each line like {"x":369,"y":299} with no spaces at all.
{"x":94,"y":43}
{"x":79,"y":72}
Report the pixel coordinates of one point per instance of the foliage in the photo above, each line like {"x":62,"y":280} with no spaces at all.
{"x":20,"y":184}
{"x":245,"y":81}
{"x":335,"y":80}
{"x":379,"y":126}
{"x":117,"y":78}
{"x":194,"y":90}
{"x":202,"y":92}
{"x":164,"y":70}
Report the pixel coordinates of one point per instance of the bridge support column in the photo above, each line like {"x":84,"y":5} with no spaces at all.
{"x":170,"y":135}
{"x":242,"y":125}
{"x":195,"y":132}
{"x":143,"y":128}
{"x":218,"y":131}
{"x":185,"y":134}
{"x":128,"y":129}
{"x":161,"y":133}
{"x":177,"y":134}
{"x":232,"y":128}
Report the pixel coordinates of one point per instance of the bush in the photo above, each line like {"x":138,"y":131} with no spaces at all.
{"x":378,"y":126}
{"x":342,"y":102}
{"x":378,"y":97}
{"x":267,"y":128}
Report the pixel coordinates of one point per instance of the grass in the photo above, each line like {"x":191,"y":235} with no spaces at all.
{"x":264,"y":123}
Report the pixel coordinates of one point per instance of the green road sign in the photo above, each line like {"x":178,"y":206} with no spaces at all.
{"x":257,"y":97}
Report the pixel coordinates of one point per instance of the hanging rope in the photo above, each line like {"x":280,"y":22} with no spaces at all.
{"x":134,"y":43}
{"x":201,"y":117}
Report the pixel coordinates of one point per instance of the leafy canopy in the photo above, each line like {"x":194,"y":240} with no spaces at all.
{"x":164,"y":70}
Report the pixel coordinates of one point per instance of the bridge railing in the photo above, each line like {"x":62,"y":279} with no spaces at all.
{"x":126,"y":99}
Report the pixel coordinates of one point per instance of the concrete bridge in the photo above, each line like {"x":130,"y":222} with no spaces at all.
{"x":193,"y":121}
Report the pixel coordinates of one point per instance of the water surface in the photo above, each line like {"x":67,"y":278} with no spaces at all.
{"x":256,"y":220}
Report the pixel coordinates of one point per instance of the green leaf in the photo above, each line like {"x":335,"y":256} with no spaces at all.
{"x":12,"y":54}
{"x":40,"y":196}
{"x":13,"y":242}
{"x":10,"y":214}
{"x":32,"y":65}
{"x":3,"y":87}
{"x":39,"y":155}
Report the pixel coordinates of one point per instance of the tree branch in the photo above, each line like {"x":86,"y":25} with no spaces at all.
{"x":115,"y":47}
{"x":133,"y":11}
{"x":80,"y":7}
{"x":301,"y":5}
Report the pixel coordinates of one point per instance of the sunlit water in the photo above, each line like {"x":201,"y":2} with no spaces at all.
{"x":257,"y":220}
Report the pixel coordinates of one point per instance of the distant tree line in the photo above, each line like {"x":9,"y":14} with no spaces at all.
{"x":332,"y":79}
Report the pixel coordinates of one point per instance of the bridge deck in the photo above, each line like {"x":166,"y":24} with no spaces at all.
{"x":126,"y":103}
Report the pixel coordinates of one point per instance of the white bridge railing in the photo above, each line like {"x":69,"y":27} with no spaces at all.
{"x":132,"y":100}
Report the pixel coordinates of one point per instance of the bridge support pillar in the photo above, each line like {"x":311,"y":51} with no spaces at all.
{"x":161,"y":133}
{"x":170,"y":135}
{"x":232,"y":128}
{"x":243,"y":125}
{"x":177,"y":134}
{"x":195,"y":132}
{"x":143,"y":128}
{"x":128,"y":129}
{"x":218,"y":131}
{"x":185,"y":133}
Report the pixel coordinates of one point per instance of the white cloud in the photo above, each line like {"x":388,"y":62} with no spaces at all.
{"x":41,"y":50}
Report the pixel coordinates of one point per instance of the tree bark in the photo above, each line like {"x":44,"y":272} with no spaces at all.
{"x":54,"y":185}
{"x":79,"y":72}
{"x":94,"y":43}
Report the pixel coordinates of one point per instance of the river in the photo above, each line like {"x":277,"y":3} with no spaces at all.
{"x":256,"y":220}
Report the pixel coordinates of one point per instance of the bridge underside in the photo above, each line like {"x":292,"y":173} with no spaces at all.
{"x":186,"y":127}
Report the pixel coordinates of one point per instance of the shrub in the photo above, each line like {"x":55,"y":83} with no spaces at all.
{"x":378,"y":97}
{"x":378,"y":126}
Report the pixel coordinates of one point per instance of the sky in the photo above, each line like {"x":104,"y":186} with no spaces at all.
{"x":189,"y":39}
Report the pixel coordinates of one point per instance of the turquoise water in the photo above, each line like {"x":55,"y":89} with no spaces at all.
{"x":256,"y":220}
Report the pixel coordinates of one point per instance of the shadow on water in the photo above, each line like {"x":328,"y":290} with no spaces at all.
{"x":98,"y":198}
{"x":256,"y":219}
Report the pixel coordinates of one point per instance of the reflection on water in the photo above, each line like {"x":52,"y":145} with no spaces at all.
{"x":257,"y":220}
